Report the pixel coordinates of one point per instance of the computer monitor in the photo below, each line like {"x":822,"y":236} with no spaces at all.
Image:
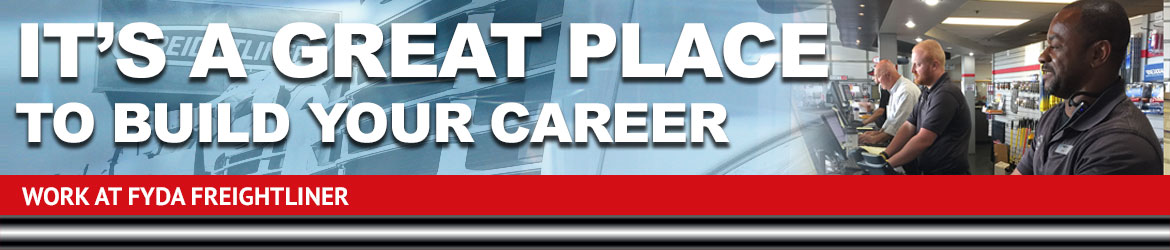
{"x":836,"y":127}
{"x":843,"y":94}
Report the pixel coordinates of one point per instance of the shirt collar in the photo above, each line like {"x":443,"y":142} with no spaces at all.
{"x":898,"y":84}
{"x":942,"y":80}
{"x":1101,"y":108}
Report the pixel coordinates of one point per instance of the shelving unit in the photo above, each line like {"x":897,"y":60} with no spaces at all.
{"x":1018,"y":91}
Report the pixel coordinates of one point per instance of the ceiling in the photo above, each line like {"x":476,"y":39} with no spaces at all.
{"x":861,"y":30}
{"x":1039,"y":14}
{"x":963,"y":39}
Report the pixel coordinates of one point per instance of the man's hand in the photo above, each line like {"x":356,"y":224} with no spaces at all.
{"x":865,"y":138}
{"x":871,"y":137}
{"x":873,"y":116}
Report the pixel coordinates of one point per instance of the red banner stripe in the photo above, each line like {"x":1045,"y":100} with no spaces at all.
{"x":1016,"y":69}
{"x":1148,"y":54}
{"x":643,"y":195}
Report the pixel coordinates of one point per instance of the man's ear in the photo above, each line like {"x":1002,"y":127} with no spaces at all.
{"x":1099,"y":53}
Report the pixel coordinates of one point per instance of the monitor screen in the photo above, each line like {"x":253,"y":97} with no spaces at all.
{"x":843,"y":93}
{"x":835,"y":126}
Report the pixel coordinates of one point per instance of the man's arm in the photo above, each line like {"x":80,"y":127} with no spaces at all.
{"x":914,"y":147}
{"x":938,"y":117}
{"x":900,"y":139}
{"x":1121,"y":153}
{"x":877,"y":138}
{"x":874,"y":137}
{"x":873,"y":117}
{"x":1025,"y":163}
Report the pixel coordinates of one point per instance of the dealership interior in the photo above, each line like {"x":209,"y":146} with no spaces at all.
{"x":994,"y":45}
{"x":991,"y":50}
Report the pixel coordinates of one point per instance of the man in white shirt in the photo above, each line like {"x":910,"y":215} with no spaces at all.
{"x":904,"y":95}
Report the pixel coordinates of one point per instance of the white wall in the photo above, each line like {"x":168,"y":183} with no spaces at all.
{"x":983,"y":71}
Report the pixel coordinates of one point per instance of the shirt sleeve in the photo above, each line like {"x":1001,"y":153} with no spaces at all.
{"x":1120,"y":154}
{"x":905,"y":100}
{"x":1025,"y":164}
{"x":913,"y":118}
{"x":939,"y":113}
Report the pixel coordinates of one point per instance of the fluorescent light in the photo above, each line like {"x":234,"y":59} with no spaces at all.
{"x":971,"y":54}
{"x":919,"y":39}
{"x":910,"y":24}
{"x":931,"y":2}
{"x":1034,"y":1}
{"x":984,"y":21}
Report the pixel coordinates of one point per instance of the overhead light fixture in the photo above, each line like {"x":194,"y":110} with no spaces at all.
{"x":863,"y":5}
{"x":861,"y":13}
{"x":949,"y":48}
{"x":919,"y":39}
{"x":984,"y":21}
{"x":858,"y":27}
{"x":1034,"y":1}
{"x":971,"y":54}
{"x":931,"y":2}
{"x":910,"y":24}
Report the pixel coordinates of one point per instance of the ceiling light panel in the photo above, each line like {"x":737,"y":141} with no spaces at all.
{"x":1034,"y":1}
{"x":984,"y":21}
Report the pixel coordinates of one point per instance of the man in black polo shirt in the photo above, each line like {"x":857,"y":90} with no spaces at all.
{"x":878,"y":116}
{"x":934,"y":139}
{"x":1098,"y":130}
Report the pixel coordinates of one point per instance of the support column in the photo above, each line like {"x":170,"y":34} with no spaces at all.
{"x":888,"y":46}
{"x":970,"y":91}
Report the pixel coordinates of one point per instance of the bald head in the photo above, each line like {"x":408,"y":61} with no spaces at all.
{"x":931,"y":50}
{"x":1100,"y":20}
{"x":929,"y":62}
{"x":886,"y":74}
{"x":883,"y":66}
{"x":1087,"y":41}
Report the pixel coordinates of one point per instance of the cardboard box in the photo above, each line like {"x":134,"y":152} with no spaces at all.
{"x":1001,"y":168}
{"x":1002,"y":153}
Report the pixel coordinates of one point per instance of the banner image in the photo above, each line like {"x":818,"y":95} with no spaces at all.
{"x":413,"y":114}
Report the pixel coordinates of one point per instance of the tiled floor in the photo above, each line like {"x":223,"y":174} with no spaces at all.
{"x":980,"y":162}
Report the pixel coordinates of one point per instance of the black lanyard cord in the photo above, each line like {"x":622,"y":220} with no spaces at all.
{"x":1080,"y":108}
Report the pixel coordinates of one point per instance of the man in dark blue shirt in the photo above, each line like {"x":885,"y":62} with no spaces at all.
{"x":1098,"y":130}
{"x":934,"y":139}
